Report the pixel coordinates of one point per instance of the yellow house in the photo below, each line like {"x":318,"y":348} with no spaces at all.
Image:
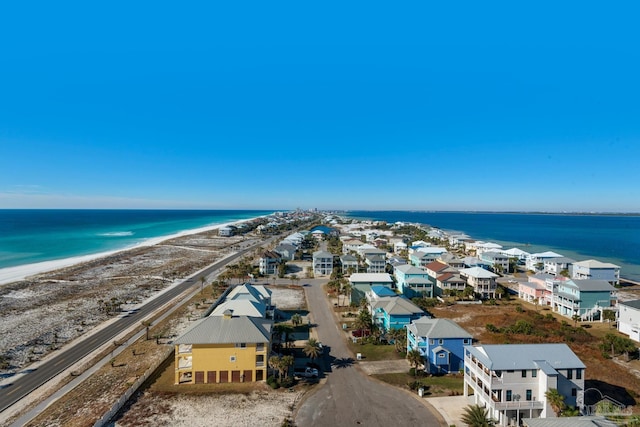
{"x":221,"y":349}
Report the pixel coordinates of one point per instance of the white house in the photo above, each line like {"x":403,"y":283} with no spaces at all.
{"x":482,"y":281}
{"x":593,"y":269}
{"x":535,"y":262}
{"x":511,"y":380}
{"x":629,"y":319}
{"x":322,"y":263}
{"x":555,"y":266}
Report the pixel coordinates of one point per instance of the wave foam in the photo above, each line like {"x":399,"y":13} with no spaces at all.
{"x":117,"y":234}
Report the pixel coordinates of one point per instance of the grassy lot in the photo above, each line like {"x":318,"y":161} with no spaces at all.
{"x":371,"y":352}
{"x":435,"y":386}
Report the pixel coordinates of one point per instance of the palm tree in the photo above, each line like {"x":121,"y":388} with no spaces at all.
{"x":346,"y":290}
{"x":275,"y":363}
{"x":286,"y":362}
{"x":146,"y":324}
{"x":296,"y":319}
{"x":477,"y":416}
{"x":399,"y":337}
{"x":202,"y":281}
{"x":312,"y":348}
{"x":415,"y":359}
{"x":556,"y":400}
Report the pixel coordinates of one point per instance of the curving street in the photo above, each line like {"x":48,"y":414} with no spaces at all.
{"x":349,"y":397}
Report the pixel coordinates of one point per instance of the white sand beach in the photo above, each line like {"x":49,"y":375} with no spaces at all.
{"x":21,"y":272}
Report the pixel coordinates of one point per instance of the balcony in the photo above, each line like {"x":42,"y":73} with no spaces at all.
{"x":184,"y":363}
{"x":519,"y":405}
{"x":184,"y":349}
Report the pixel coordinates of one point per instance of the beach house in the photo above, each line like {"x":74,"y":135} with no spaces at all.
{"x":440,"y":342}
{"x":361,"y":283}
{"x":268,"y":263}
{"x":482,"y":281}
{"x":535,"y":262}
{"x":511,"y":380}
{"x":496,"y":260}
{"x":394,"y":312}
{"x":375,"y":263}
{"x":593,"y":269}
{"x":286,"y":251}
{"x":629,"y":319}
{"x":559,"y":266}
{"x":222,"y":349}
{"x":348,"y":264}
{"x":448,"y":283}
{"x":322,"y":263}
{"x":413,"y":281}
{"x":584,"y":298}
{"x":424,"y":255}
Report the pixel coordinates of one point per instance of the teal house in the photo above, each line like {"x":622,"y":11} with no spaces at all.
{"x":413,"y":281}
{"x":394,"y":312}
{"x":584,"y":298}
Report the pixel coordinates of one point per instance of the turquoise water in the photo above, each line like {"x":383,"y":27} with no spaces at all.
{"x":608,"y":238}
{"x":34,"y":235}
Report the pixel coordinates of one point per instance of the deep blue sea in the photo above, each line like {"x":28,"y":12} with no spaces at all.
{"x":607,"y":238}
{"x":35,"y":235}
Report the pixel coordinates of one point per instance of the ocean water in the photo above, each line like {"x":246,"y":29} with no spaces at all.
{"x":33,"y":235}
{"x":607,"y":238}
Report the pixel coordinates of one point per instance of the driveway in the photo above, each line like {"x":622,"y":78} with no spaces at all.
{"x":348,"y":397}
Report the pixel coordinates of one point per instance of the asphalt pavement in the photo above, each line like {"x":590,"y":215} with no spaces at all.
{"x":347,"y":396}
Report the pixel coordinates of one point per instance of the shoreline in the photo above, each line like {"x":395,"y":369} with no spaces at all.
{"x":21,"y":272}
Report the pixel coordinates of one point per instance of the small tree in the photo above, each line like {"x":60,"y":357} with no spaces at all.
{"x":556,"y":400}
{"x":312,"y":348}
{"x":296,"y":319}
{"x":415,"y":360}
{"x":477,"y":416}
{"x":147,"y":325}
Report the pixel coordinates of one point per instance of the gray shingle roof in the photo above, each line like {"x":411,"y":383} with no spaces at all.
{"x":224,"y":330}
{"x":437,"y":328}
{"x":633,"y":304}
{"x":397,"y":306}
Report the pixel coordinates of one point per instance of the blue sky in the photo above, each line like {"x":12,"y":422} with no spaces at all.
{"x":345,"y":105}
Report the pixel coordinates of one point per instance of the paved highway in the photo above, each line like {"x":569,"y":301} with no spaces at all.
{"x":26,"y":384}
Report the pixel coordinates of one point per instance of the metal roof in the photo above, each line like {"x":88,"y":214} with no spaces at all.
{"x":437,"y":328}
{"x":227,"y":330}
{"x":502,"y":357}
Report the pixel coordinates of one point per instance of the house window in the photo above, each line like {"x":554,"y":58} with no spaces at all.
{"x":232,"y":359}
{"x":466,"y":341}
{"x":260,"y":346}
{"x":578,"y":374}
{"x":569,"y":374}
{"x":432,"y":342}
{"x":534,"y":373}
{"x":441,"y":355}
{"x":440,"y":342}
{"x":524,"y":373}
{"x":508,"y":397}
{"x":241,"y":345}
{"x":528,"y":395}
{"x":574,"y":392}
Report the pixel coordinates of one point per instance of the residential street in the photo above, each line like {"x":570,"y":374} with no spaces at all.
{"x":349,"y":397}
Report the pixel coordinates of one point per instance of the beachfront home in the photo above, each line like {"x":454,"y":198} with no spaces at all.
{"x":241,"y":307}
{"x":348,"y":264}
{"x":221,"y":349}
{"x":440,"y":342}
{"x":322,"y":263}
{"x":511,"y":380}
{"x":423,"y":256}
{"x":394,"y":312}
{"x":226,"y":231}
{"x":413,"y":281}
{"x":496,"y":260}
{"x":482,"y":281}
{"x":559,"y":266}
{"x":268,"y":263}
{"x":361,"y":283}
{"x":517,"y":253}
{"x":593,"y":269}
{"x":535,"y":262}
{"x":629,"y":319}
{"x":378,"y":292}
{"x":482,"y":247}
{"x":452,"y":260}
{"x":584,"y":298}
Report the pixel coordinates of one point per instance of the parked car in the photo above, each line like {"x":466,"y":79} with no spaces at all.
{"x":306,"y":373}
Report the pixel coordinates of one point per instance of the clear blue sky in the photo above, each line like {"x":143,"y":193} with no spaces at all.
{"x":330,"y":105}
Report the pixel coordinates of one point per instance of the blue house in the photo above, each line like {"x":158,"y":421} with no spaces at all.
{"x":394,"y":312}
{"x":585,"y":298}
{"x":413,"y":281}
{"x":440,"y":342}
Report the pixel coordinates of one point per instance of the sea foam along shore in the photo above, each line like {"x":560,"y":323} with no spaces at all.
{"x":21,"y":272}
